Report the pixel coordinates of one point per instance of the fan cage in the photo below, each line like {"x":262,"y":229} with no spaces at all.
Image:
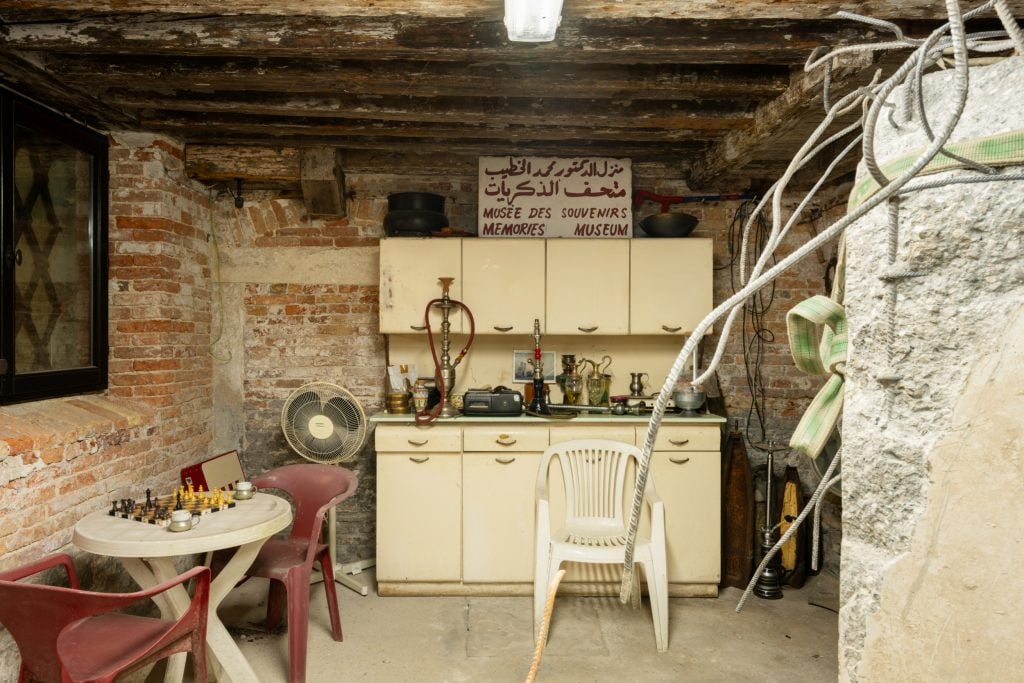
{"x":324,"y":423}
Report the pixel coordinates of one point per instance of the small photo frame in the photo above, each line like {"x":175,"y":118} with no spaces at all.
{"x":522,"y":368}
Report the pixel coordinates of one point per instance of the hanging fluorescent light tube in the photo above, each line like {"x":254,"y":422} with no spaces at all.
{"x":532,"y":21}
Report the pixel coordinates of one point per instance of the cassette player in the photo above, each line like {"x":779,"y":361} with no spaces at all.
{"x":498,"y":402}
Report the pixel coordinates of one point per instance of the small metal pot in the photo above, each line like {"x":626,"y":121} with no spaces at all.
{"x":416,"y":201}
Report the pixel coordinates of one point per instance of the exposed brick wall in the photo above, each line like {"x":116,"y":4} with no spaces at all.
{"x":63,"y":458}
{"x":294,"y":333}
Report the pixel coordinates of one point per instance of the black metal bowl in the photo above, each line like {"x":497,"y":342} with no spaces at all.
{"x":414,"y":223}
{"x":416,"y":201}
{"x":671,"y":224}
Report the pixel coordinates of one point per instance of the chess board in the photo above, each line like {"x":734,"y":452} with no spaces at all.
{"x":160,"y":508}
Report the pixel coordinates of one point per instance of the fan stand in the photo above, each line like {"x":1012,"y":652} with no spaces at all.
{"x":342,"y":571}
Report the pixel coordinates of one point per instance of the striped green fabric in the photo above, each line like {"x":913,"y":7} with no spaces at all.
{"x":818,"y":342}
{"x":1003,"y":149}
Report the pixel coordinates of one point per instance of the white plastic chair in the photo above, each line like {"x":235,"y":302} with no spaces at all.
{"x":594,"y":531}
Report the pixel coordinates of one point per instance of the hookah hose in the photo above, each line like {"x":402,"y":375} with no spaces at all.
{"x":425,"y":416}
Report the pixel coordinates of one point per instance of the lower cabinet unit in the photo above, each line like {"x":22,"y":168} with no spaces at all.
{"x":419,"y":506}
{"x":456,"y":508}
{"x":499,"y":470}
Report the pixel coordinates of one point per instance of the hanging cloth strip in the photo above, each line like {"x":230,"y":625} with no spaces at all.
{"x":1004,"y":149}
{"x":818,"y":342}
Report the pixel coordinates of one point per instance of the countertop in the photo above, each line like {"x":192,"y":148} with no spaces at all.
{"x":669,"y":418}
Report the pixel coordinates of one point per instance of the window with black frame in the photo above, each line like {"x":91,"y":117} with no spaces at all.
{"x":53,"y":241}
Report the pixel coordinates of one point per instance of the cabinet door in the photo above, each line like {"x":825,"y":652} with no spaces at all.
{"x":498,"y":516}
{"x":409,"y":272}
{"x":670,"y":285}
{"x":587,"y":286}
{"x":419,"y":510}
{"x":689,"y":483}
{"x":503,"y":281}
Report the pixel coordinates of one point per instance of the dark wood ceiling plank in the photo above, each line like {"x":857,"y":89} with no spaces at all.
{"x":25,"y":10}
{"x":800,"y":107}
{"x":521,"y":111}
{"x":656,"y":40}
{"x":32,"y":81}
{"x":189,"y":124}
{"x":422,"y":79}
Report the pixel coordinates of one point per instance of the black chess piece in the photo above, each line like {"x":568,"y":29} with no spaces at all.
{"x":177,"y":506}
{"x":113,"y":508}
{"x":149,"y":501}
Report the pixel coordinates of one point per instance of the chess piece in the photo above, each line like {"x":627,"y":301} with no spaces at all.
{"x":178,"y":505}
{"x":149,"y":500}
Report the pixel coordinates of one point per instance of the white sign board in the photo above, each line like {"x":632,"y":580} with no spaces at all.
{"x":583,"y":197}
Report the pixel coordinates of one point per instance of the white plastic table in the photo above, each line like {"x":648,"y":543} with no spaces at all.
{"x":148,"y":553}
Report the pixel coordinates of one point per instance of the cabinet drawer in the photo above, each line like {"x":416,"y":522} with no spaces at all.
{"x":504,"y":438}
{"x":410,"y":438}
{"x":683,"y":438}
{"x":615,"y":433}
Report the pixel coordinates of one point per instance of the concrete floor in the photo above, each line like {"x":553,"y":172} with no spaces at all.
{"x":451,"y":639}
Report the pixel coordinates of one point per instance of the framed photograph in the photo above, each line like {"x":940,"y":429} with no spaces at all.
{"x":522,"y":367}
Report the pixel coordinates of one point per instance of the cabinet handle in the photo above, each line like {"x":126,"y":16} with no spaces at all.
{"x":419,"y":461}
{"x":417,"y":443}
{"x":588,"y":330}
{"x":504,"y":461}
{"x":670,"y":329}
{"x":418,"y":328}
{"x":679,"y":443}
{"x":501,"y":328}
{"x":679,"y":461}
{"x":501,"y":442}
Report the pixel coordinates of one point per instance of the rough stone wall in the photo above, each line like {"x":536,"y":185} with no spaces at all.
{"x":63,"y":458}
{"x":932,"y":491}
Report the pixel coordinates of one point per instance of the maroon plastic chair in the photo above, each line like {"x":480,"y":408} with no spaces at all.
{"x":72,"y":635}
{"x":288,"y":563}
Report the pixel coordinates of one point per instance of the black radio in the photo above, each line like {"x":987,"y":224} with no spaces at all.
{"x":497,"y":402}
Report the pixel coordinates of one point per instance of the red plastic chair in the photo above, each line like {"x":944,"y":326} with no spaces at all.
{"x":71,"y":635}
{"x":288,"y":563}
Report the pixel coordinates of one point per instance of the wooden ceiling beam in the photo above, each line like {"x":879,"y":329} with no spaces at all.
{"x":697,"y":115}
{"x":34,"y":10}
{"x":31,"y":80}
{"x":775,"y":119}
{"x":422,"y":79}
{"x":188,"y":125}
{"x":660,"y":152}
{"x":579,"y":41}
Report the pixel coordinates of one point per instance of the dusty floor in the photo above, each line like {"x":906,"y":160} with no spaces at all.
{"x":413,"y":640}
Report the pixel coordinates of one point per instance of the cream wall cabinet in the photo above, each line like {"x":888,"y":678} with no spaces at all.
{"x":587,"y":286}
{"x":419,"y":504}
{"x":670,"y":285}
{"x":575,"y":287}
{"x":503,"y":281}
{"x":409,"y":272}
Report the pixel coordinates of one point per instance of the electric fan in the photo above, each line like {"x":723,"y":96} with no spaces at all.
{"x":325,"y":423}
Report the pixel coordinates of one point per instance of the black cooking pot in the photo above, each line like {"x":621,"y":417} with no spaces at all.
{"x":669,"y":224}
{"x":414,"y":223}
{"x":416,"y":201}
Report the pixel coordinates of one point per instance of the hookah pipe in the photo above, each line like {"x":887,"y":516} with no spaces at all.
{"x":538,"y":404}
{"x":444,"y":369}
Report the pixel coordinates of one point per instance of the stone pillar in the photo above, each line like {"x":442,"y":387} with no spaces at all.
{"x":933,"y":497}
